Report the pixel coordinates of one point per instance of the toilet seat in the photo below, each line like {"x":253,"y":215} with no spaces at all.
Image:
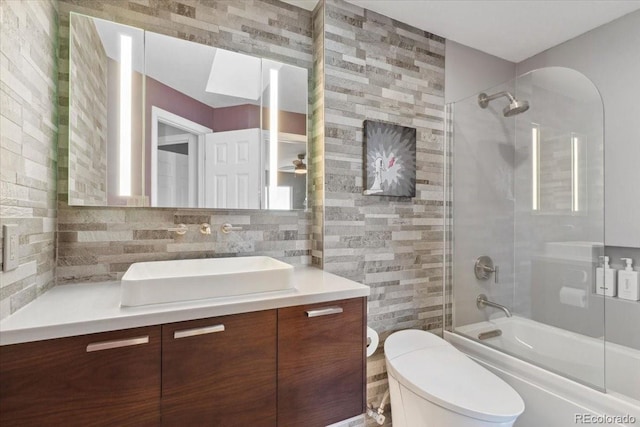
{"x":436,"y":371}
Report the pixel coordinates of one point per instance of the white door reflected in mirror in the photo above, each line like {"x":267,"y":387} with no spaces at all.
{"x":232,"y":166}
{"x":194,"y":167}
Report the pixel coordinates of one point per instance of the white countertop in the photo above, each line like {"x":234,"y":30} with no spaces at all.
{"x":87,"y":308}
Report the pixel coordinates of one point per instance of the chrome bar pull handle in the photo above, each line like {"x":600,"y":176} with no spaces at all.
{"x":324,"y":311}
{"x":495,"y":274}
{"x":108,"y":345}
{"x":198,"y":331}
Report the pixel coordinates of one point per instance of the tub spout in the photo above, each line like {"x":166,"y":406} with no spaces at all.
{"x":482,"y":302}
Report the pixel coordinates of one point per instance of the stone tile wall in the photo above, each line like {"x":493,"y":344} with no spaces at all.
{"x":88,"y":160}
{"x":380,"y":69}
{"x":316,"y":157}
{"x":28,"y":122}
{"x":100,"y":243}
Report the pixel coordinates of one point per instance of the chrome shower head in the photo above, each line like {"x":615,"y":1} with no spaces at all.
{"x":514,"y":107}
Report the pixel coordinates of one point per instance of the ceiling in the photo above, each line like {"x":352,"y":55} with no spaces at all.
{"x":513,"y":30}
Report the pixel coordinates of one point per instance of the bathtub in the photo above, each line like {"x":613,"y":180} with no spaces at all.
{"x":553,"y":400}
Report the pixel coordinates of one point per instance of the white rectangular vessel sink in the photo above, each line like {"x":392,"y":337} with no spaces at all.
{"x":181,"y":280}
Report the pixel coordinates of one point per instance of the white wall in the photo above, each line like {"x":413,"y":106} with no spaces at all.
{"x":610,"y":56}
{"x":483,"y":172}
{"x":469,"y":71}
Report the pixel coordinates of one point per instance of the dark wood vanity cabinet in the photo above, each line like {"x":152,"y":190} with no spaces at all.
{"x":293,"y":366}
{"x":104,"y":379}
{"x":220,"y":371}
{"x":321,"y":363}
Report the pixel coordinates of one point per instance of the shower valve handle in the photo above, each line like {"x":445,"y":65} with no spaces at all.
{"x":493,"y":270}
{"x":484,"y":267}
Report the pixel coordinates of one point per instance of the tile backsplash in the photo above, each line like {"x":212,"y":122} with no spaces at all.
{"x":101,"y":243}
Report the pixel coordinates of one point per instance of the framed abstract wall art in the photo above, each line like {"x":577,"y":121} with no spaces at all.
{"x":390,"y":159}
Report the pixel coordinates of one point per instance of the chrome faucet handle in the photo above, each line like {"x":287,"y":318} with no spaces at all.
{"x":484,"y":267}
{"x":228,"y":228}
{"x":180,"y":229}
{"x":205,"y":228}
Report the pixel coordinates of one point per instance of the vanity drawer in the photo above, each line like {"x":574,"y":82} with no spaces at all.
{"x":220,"y":371}
{"x":104,"y":379}
{"x":321,"y":363}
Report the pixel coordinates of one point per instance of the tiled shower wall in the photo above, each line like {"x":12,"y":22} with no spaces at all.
{"x":100,"y":243}
{"x":28,"y":43}
{"x":380,"y":69}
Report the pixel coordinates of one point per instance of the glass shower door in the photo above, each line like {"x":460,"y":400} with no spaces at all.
{"x":527,"y":190}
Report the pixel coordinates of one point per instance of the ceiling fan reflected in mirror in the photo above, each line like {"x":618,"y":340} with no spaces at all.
{"x":299,"y":166}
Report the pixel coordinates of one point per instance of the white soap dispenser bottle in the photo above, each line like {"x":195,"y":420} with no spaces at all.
{"x":606,"y":279}
{"x":628,"y":282}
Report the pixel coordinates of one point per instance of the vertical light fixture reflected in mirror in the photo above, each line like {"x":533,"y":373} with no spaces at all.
{"x":273,"y":131}
{"x":126,"y":70}
{"x":535,"y":167}
{"x":575,"y":173}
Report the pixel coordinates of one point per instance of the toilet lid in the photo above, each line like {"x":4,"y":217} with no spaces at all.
{"x":445,"y":376}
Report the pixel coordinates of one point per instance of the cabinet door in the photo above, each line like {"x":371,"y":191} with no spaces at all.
{"x":220,"y":371}
{"x":105,"y":379}
{"x":321,"y":363}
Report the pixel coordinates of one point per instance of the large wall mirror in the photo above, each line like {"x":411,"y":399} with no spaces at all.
{"x":163,"y":122}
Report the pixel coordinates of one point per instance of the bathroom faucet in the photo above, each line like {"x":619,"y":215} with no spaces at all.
{"x":228,"y":228}
{"x":482,"y":302}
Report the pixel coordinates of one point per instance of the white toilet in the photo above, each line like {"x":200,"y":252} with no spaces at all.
{"x":434,"y":384}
